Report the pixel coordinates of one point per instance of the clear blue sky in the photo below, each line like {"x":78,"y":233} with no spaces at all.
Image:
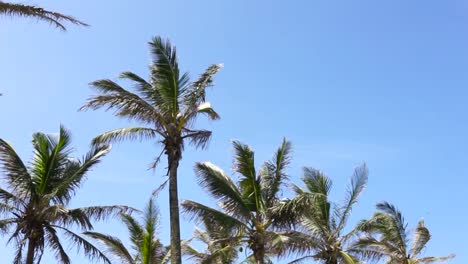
{"x":346,"y":81}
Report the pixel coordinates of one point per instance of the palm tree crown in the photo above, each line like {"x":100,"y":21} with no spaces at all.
{"x":323,"y":221}
{"x":35,"y":198}
{"x":148,"y":249}
{"x":168,"y":103}
{"x":220,"y":241}
{"x":386,"y":235}
{"x":51,"y":17}
{"x":248,"y":205}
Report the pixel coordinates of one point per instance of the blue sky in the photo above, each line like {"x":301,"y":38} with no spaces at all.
{"x":346,"y":81}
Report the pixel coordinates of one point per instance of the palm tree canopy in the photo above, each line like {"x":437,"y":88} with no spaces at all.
{"x":168,"y":102}
{"x":321,"y":220}
{"x":54,"y":18}
{"x":143,"y":237}
{"x":247,"y":205}
{"x":35,"y":197}
{"x":386,"y":235}
{"x":220,"y":240}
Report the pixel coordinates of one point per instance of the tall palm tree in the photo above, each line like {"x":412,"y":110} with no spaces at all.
{"x":168,"y":104}
{"x":386,"y":235}
{"x":248,"y":205}
{"x":220,"y":241}
{"x":54,"y":18}
{"x":148,"y":249}
{"x":35,"y":198}
{"x":323,"y":221}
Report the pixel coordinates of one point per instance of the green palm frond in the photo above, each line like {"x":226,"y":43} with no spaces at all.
{"x":420,"y":238}
{"x":114,"y":246}
{"x":15,"y":172}
{"x":200,"y":212}
{"x":54,"y":18}
{"x":396,"y":227}
{"x":165,"y":72}
{"x":136,"y":231}
{"x":199,"y":138}
{"x":358,"y":184}
{"x":126,"y":104}
{"x":274,"y":173}
{"x":88,"y":249}
{"x":121,"y":134}
{"x":316,"y":182}
{"x":222,"y":188}
{"x":75,"y":171}
{"x":244,"y":164}
{"x":196,"y":91}
{"x":56,"y":246}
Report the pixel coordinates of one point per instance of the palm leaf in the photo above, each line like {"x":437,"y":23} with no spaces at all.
{"x":130,"y":133}
{"x":113,"y":245}
{"x":200,"y":212}
{"x":165,"y":71}
{"x":358,"y":183}
{"x":421,"y":237}
{"x":15,"y":172}
{"x":221,"y":187}
{"x":51,"y":17}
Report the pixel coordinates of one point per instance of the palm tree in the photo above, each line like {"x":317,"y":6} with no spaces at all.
{"x":220,"y":241}
{"x":323,"y":221}
{"x":386,"y":235}
{"x":248,"y":205}
{"x":35,"y":198}
{"x":169,"y":104}
{"x":148,"y":248}
{"x":54,"y":18}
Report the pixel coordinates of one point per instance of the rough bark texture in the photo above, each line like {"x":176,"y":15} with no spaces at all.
{"x":176,"y":252}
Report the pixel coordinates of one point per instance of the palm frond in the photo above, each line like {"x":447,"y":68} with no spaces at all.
{"x":244,"y":162}
{"x":274,"y":174}
{"x":165,"y":72}
{"x":420,"y":239}
{"x":54,"y":18}
{"x":221,"y":187}
{"x":201,"y":212}
{"x":113,"y":245}
{"x":428,"y":260}
{"x":358,"y":183}
{"x":199,"y":138}
{"x":54,"y":243}
{"x":14,"y":171}
{"x":397,"y":227}
{"x":130,"y":133}
{"x":316,"y":182}
{"x":196,"y":93}
{"x":125,"y":103}
{"x":135,"y":230}
{"x":89,"y":249}
{"x":145,"y":88}
{"x":51,"y":154}
{"x":75,"y":171}
{"x":99,"y":213}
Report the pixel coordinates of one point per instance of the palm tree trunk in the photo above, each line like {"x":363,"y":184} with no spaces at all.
{"x":31,"y":249}
{"x":259,"y":255}
{"x":176,"y":252}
